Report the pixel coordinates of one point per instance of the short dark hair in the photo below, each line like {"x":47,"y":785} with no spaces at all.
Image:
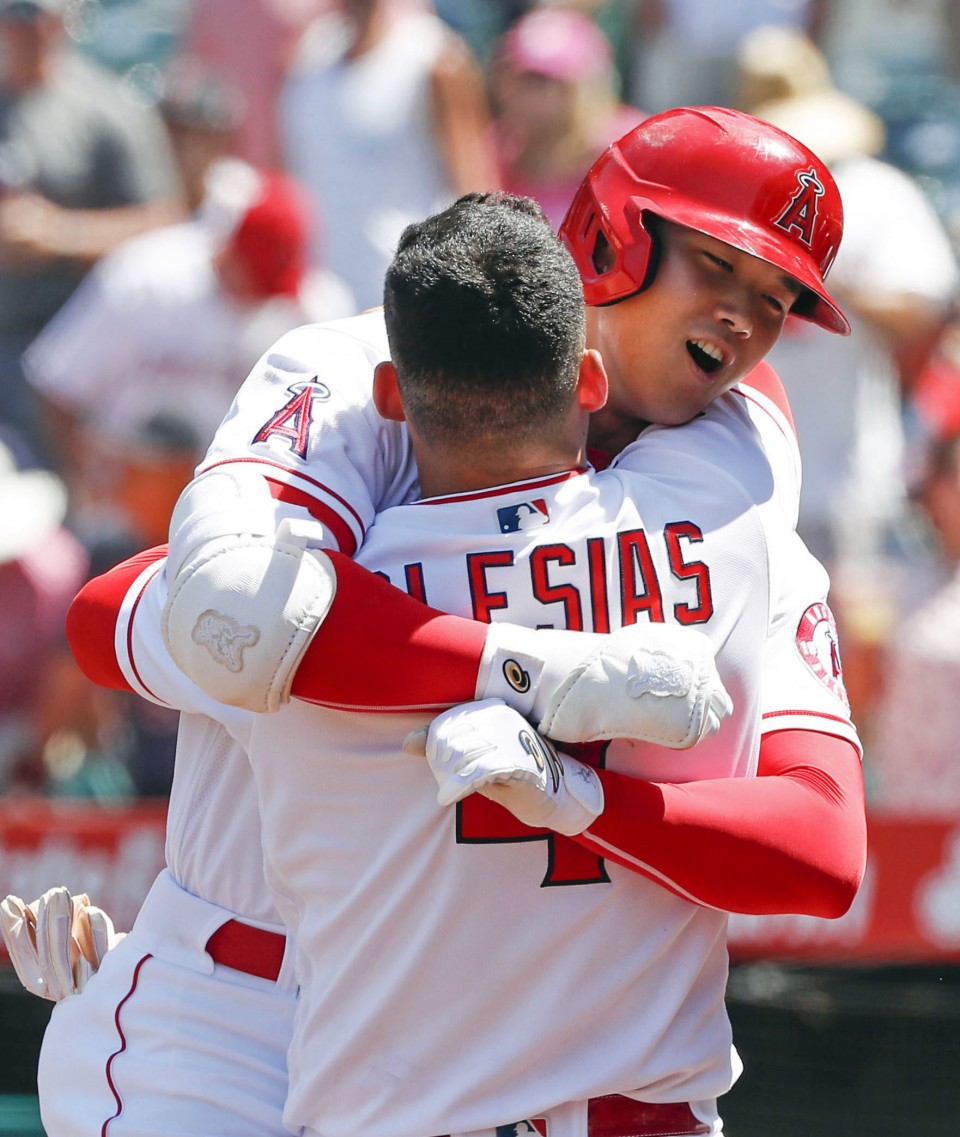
{"x":486,"y":320}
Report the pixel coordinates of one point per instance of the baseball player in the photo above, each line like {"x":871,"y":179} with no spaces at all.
{"x":745,"y":630}
{"x":202,"y":861}
{"x":188,"y":946}
{"x":441,"y":953}
{"x":704,"y":246}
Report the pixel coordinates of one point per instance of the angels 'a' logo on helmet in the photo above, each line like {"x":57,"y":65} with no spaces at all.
{"x":800,"y":215}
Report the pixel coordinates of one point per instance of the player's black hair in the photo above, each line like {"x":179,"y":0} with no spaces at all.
{"x":485,"y":319}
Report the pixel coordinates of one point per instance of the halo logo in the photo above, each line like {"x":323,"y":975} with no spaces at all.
{"x":819,"y":646}
{"x":800,"y":216}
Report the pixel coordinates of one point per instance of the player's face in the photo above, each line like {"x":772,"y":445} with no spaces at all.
{"x":710,"y":315}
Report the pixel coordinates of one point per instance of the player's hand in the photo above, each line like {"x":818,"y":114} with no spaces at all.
{"x":56,"y":943}
{"x":648,"y":682}
{"x":489,"y":748}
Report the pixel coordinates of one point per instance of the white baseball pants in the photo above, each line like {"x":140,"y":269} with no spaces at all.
{"x":164,"y":1042}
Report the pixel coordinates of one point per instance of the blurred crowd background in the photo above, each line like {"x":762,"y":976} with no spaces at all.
{"x":183,"y":180}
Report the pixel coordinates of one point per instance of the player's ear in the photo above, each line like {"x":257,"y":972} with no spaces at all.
{"x":386,"y":392}
{"x":592,"y":381}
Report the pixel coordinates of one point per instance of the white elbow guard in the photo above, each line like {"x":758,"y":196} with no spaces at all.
{"x":243,"y":605}
{"x":228,"y":501}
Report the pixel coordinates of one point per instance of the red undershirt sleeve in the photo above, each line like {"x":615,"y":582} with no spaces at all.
{"x":380,"y":649}
{"x":92,"y":619}
{"x":793,"y":839}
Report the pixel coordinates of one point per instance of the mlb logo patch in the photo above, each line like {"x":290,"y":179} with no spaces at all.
{"x":524,"y":515}
{"x":533,"y":1127}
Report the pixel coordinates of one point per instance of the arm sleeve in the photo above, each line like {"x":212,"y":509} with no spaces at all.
{"x":379,"y":649}
{"x":93,"y":617}
{"x":113,"y":631}
{"x":793,"y":839}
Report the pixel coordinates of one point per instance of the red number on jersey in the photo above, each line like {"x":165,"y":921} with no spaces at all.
{"x":484,"y":822}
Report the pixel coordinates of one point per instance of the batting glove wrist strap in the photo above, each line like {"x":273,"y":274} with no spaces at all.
{"x":649,"y":682}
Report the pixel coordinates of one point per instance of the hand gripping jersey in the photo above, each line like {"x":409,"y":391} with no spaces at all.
{"x":457,"y":969}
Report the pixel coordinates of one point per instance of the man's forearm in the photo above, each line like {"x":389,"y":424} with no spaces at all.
{"x":793,"y":839}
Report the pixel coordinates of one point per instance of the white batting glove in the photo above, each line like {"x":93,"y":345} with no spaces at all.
{"x":648,"y":682}
{"x":490,"y":748}
{"x":56,"y":943}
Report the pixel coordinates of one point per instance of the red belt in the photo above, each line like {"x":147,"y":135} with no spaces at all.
{"x":255,"y":951}
{"x":616,"y":1116}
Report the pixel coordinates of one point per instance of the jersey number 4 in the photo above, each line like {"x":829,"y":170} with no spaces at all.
{"x":483,"y":822}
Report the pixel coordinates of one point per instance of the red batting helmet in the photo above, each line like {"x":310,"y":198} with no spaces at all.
{"x":720,"y":172}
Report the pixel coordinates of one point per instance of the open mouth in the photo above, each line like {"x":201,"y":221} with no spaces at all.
{"x":705,"y":355}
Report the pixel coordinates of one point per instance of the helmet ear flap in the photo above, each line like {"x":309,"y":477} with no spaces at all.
{"x":642,"y":255}
{"x":612,"y":264}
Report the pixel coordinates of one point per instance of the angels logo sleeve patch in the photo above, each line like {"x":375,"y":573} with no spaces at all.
{"x":819,"y":647}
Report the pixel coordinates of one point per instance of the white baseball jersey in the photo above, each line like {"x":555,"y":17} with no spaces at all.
{"x":305,"y":416}
{"x":458,"y":970}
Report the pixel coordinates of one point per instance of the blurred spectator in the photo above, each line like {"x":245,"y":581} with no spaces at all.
{"x":934,"y":403}
{"x":151,"y":468}
{"x":912,"y":750}
{"x":903,"y":60}
{"x":480,"y":22}
{"x":617,"y":19}
{"x":135,"y":736}
{"x":68,"y":737}
{"x":81,"y":169}
{"x":202,"y":115}
{"x":170,"y":323}
{"x":896,"y":276}
{"x":248,"y":45}
{"x":686,"y":50}
{"x":384,"y":117}
{"x":41,"y":568}
{"x":871,"y":44}
{"x":555,"y":103}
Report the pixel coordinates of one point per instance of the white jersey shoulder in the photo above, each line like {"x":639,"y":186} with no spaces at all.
{"x":305,"y":414}
{"x":750,"y":436}
{"x":746,"y":434}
